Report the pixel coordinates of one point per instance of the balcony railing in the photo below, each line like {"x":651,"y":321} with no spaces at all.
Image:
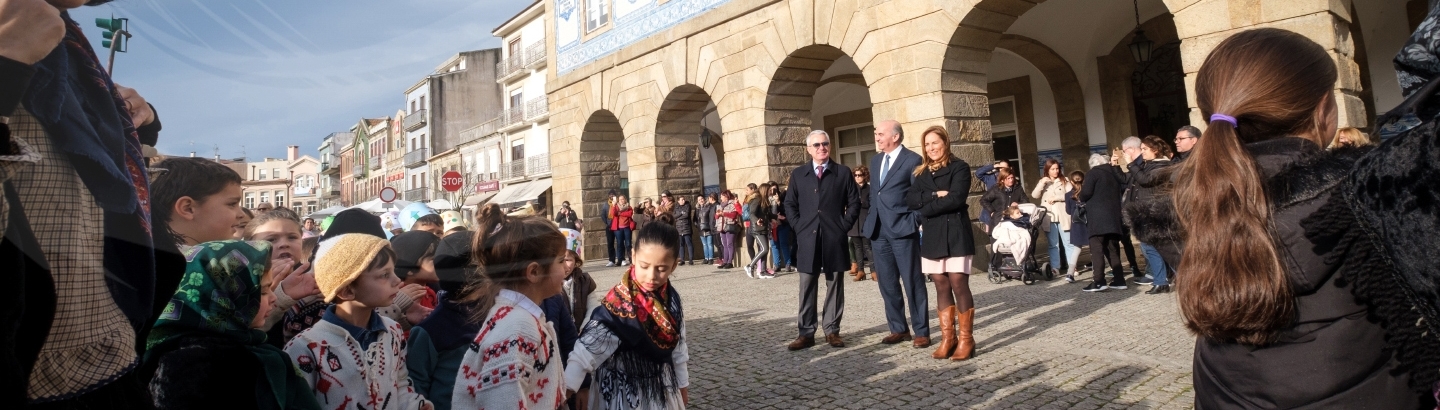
{"x":417,"y":157}
{"x":511,"y":116}
{"x":480,"y":131}
{"x":329,"y":192}
{"x":509,"y":65}
{"x":376,"y":161}
{"x":418,"y":194}
{"x":535,"y":54}
{"x":415,"y":120}
{"x":358,"y":170}
{"x":537,"y":165}
{"x":537,"y":108}
{"x":512,"y":170}
{"x":483,"y":176}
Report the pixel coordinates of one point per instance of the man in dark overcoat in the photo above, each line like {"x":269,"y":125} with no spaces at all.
{"x":822,"y":202}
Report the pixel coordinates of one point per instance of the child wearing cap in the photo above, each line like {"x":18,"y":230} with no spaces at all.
{"x":355,"y":358}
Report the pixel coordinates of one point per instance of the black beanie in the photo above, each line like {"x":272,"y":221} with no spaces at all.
{"x":409,"y":248}
{"x":354,"y":221}
{"x":452,"y":261}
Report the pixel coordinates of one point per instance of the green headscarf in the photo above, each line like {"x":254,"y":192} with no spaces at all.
{"x":219,"y":295}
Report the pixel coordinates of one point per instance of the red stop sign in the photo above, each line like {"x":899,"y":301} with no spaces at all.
{"x":452,"y":181}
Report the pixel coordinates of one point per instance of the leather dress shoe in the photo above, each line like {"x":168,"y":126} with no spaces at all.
{"x":894,"y":338}
{"x":1158,"y":290}
{"x":834,"y":340}
{"x":922,"y":342}
{"x":801,"y":342}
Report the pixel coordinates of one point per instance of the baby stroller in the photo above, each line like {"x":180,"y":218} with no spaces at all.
{"x":1004,"y":267}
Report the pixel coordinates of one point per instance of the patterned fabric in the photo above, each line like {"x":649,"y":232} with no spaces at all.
{"x":90,"y":342}
{"x":343,"y":375}
{"x":514,"y":362}
{"x":632,"y":307}
{"x":218,"y":295}
{"x":74,"y":98}
{"x":1419,"y":60}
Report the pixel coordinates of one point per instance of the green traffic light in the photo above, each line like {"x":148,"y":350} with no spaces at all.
{"x":109,"y":24}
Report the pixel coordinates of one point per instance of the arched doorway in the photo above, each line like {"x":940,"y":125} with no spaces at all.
{"x":690,"y":150}
{"x":1145,"y":98}
{"x":816,"y":87}
{"x":602,"y":170}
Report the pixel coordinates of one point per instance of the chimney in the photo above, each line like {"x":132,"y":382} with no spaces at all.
{"x":291,"y":152}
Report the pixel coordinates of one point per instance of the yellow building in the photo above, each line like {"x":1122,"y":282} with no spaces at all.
{"x":689,"y":95}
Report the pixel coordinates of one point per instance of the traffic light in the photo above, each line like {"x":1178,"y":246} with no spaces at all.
{"x":116,"y":31}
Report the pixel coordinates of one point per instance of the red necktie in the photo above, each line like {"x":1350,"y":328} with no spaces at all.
{"x":820,"y":171}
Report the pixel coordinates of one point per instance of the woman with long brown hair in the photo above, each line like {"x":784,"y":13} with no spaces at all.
{"x":1051,"y":192}
{"x":1277,"y":278}
{"x":941,"y":185}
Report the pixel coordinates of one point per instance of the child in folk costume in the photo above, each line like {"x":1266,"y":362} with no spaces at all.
{"x":515,"y":360}
{"x":205,"y":350}
{"x":634,"y":344}
{"x":355,"y":357}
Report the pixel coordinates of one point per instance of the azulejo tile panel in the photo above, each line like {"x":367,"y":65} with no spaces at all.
{"x":640,"y":21}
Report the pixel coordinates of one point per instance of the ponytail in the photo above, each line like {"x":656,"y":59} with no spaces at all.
{"x":502,"y":249}
{"x":1256,"y":85}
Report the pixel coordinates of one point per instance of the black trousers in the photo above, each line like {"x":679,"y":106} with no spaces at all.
{"x":1103,"y":248}
{"x":860,"y":252}
{"x":610,"y":245}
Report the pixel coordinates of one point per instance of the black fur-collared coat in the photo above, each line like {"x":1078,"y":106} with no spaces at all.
{"x":1356,"y":231}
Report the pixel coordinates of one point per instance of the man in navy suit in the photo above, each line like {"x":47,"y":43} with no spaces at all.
{"x":894,"y":237}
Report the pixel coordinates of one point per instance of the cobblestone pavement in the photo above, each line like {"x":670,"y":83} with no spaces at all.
{"x":1043,"y":346}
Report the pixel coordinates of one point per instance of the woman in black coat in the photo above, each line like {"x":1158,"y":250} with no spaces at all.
{"x":1101,"y":194}
{"x":859,"y":244}
{"x":1309,"y":276}
{"x":938,"y":194}
{"x":1006,"y":191}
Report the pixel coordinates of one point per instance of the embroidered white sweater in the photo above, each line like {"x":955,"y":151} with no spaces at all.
{"x":342,"y":374}
{"x":514,"y":363}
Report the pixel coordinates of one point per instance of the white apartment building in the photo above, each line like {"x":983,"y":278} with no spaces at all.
{"x":524,"y":125}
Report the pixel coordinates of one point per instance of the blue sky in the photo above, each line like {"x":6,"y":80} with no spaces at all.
{"x":253,"y":76}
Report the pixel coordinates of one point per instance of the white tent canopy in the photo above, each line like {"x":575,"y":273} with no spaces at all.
{"x":375,"y":206}
{"x":440,"y":205}
{"x":326,"y":212}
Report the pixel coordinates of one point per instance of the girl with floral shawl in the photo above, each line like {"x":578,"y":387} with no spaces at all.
{"x":204,"y":351}
{"x":634,"y":343}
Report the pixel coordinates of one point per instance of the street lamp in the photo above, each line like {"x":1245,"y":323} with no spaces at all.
{"x":1140,"y":46}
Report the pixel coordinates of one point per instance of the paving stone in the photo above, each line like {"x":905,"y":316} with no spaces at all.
{"x":1044,"y":346}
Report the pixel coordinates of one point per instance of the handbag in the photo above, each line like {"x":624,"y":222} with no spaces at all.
{"x":1079,"y":216}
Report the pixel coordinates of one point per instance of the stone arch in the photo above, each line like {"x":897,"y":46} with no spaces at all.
{"x":681,"y":142}
{"x":1069,"y":99}
{"x":790,"y":102}
{"x":601,"y":169}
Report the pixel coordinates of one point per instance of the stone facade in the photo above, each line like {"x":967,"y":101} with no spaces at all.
{"x":759,"y":63}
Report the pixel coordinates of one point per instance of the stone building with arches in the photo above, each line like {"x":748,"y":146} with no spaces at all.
{"x":693,"y":96}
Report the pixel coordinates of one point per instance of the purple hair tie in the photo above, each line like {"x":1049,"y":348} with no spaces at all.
{"x":1226,"y":118}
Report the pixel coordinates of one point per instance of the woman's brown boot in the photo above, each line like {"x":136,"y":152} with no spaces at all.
{"x":856,"y":272}
{"x":947,"y":333}
{"x":963,"y":321}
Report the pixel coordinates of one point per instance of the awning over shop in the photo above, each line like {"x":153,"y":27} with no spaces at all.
{"x":518,"y":193}
{"x":477,"y":199}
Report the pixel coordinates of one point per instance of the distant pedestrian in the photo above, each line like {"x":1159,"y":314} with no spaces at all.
{"x":704,"y":225}
{"x":684,"y":216}
{"x":861,"y":260}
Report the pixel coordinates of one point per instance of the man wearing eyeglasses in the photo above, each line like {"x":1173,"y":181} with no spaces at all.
{"x":822,"y":203}
{"x":1185,"y":140}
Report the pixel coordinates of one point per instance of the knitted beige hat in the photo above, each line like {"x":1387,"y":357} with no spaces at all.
{"x":340,"y":260}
